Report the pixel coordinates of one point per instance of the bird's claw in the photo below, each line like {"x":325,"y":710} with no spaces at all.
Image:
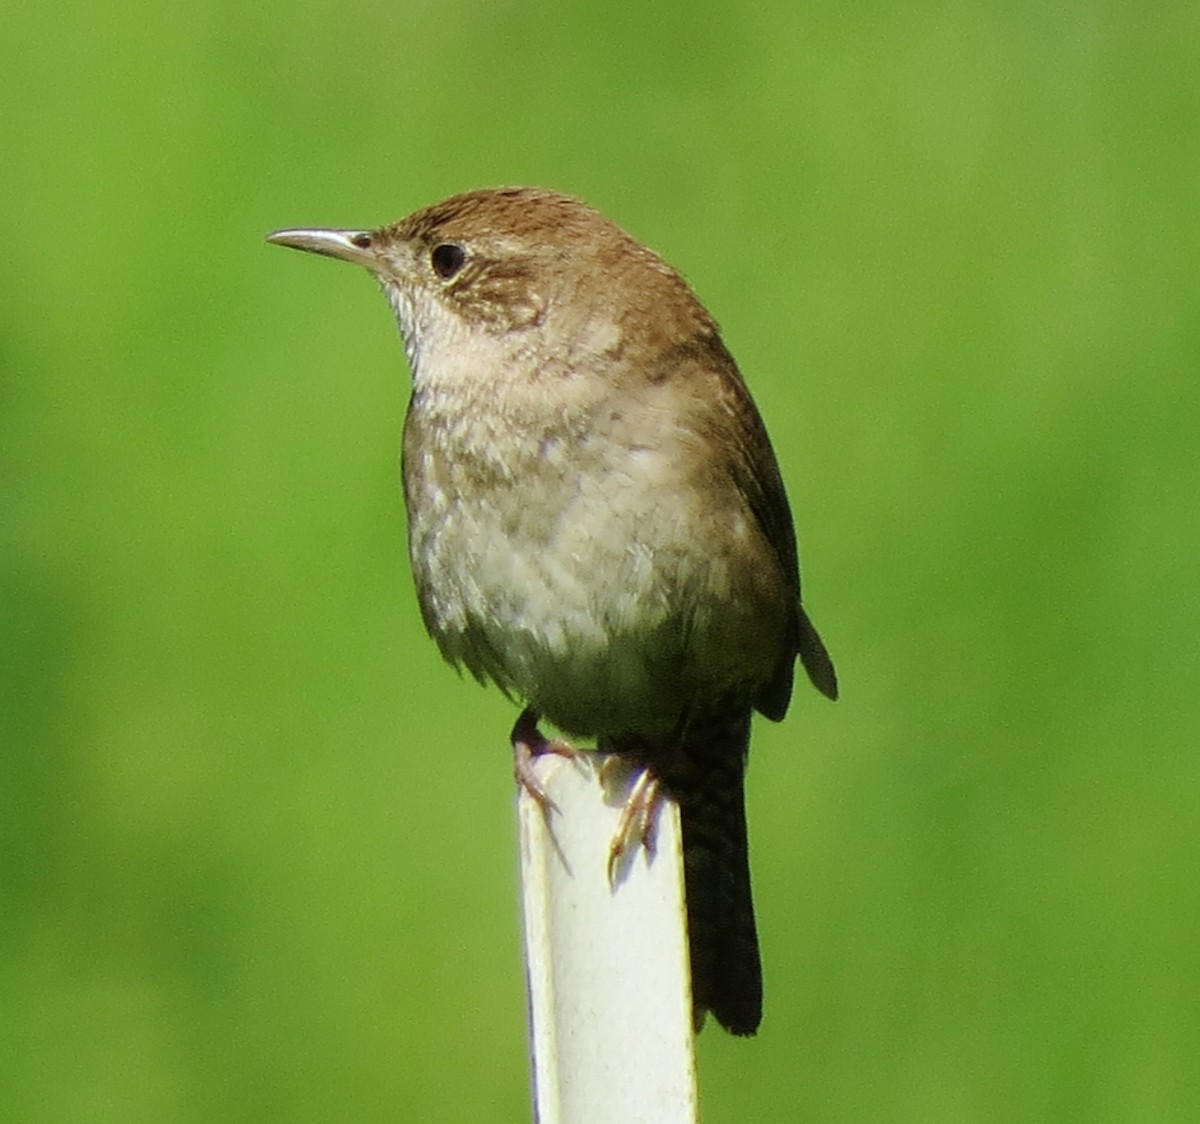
{"x":529,"y":743}
{"x":638,"y":822}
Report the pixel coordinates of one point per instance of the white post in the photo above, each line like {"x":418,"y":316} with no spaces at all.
{"x":609,"y":990}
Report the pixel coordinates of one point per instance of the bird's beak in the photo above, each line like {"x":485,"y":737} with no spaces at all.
{"x":355,"y":246}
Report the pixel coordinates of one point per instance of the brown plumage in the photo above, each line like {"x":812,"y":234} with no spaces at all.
{"x":597,"y":522}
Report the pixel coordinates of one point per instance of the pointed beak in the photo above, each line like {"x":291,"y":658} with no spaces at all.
{"x":355,"y":246}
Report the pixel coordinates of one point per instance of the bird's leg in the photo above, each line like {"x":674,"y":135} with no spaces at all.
{"x":529,"y":742}
{"x":639,"y":820}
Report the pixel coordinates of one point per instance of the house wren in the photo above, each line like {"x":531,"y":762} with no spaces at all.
{"x":597,"y":522}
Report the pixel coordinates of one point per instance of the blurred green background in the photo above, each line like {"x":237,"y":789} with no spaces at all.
{"x":257,"y":844}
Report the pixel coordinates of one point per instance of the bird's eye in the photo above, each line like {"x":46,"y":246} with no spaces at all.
{"x":447,"y":259}
{"x":362,"y":240}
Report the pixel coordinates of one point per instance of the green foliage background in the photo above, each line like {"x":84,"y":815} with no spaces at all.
{"x":256,"y":842}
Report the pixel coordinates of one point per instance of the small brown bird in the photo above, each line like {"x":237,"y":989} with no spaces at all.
{"x":597,"y":522}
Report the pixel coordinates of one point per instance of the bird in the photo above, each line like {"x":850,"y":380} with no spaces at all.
{"x":597,"y":522}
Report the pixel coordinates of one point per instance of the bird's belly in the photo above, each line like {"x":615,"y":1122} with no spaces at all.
{"x":593,"y":604}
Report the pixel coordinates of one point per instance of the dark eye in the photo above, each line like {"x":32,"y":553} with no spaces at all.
{"x":447,"y":259}
{"x":362,"y":240}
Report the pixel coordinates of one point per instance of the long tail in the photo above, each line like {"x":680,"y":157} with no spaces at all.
{"x":726,"y":969}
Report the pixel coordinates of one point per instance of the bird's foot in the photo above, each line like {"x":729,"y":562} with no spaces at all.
{"x":638,"y":822}
{"x":528,"y":744}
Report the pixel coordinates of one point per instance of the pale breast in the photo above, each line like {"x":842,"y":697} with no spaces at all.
{"x":586,"y":575}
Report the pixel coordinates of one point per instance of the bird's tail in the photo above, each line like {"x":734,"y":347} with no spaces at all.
{"x":708,"y":784}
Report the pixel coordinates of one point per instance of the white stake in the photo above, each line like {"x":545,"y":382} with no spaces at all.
{"x":609,"y":989}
